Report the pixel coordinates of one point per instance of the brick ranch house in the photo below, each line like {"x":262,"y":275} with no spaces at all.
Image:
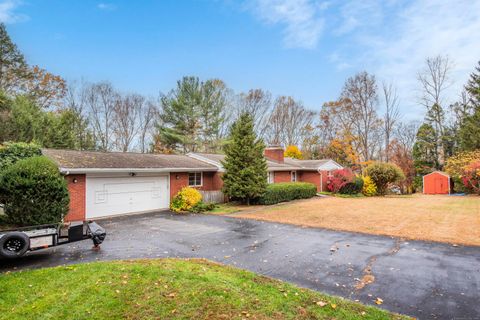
{"x":103,"y":184}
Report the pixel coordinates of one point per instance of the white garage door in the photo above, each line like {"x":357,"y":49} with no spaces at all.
{"x":121,"y":195}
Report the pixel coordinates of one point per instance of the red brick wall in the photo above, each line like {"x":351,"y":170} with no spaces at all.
{"x":77,"y":197}
{"x":210,"y":182}
{"x":282,"y":176}
{"x":275,"y":154}
{"x":217,"y":181}
{"x":311,"y":177}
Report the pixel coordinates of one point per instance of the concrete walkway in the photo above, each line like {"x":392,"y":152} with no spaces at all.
{"x":420,"y":279}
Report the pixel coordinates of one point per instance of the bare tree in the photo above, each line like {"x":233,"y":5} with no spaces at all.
{"x":391,"y":116}
{"x":148,"y":114}
{"x":101,"y":99}
{"x":405,"y":133}
{"x":434,"y":80}
{"x":288,"y":122}
{"x":126,"y":120}
{"x":359,"y":104}
{"x":257,"y":103}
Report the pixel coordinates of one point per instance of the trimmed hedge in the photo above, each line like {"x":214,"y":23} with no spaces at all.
{"x":33,"y":192}
{"x":287,"y":191}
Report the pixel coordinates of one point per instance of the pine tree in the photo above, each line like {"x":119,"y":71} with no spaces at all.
{"x":13,"y":68}
{"x":425,"y":158}
{"x":473,"y":88}
{"x":469,"y":131}
{"x":245,"y":176}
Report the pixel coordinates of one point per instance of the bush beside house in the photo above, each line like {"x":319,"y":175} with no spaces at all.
{"x":33,"y":192}
{"x":185,"y":199}
{"x":287,"y":191}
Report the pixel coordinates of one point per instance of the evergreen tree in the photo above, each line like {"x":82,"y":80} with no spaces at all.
{"x":473,"y":88}
{"x":425,"y":158}
{"x":13,"y":68}
{"x":245,"y":176}
{"x":192,"y":115}
{"x":180,"y":114}
{"x":469,"y":131}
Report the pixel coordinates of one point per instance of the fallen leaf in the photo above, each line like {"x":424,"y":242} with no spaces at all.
{"x":321,"y":303}
{"x":172,"y":295}
{"x":333,"y":305}
{"x":379,"y":301}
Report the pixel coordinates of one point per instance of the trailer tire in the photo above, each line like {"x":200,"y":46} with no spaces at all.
{"x":14,"y":244}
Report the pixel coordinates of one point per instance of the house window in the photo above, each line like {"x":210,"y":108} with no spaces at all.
{"x":195,"y":179}
{"x":330,"y":174}
{"x":294,"y":176}
{"x":271,"y":177}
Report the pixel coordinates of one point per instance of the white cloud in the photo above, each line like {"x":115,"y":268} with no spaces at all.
{"x":303,"y":24}
{"x":106,"y":6}
{"x":390,"y":38}
{"x":426,"y":28}
{"x":8,"y":14}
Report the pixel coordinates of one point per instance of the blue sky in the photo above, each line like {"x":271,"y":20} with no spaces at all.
{"x":303,"y":48}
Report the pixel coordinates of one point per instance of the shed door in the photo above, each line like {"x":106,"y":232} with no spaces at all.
{"x":439,"y":185}
{"x":121,"y":195}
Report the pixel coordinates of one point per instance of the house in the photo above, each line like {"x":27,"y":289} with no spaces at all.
{"x":437,"y":182}
{"x":103,"y":184}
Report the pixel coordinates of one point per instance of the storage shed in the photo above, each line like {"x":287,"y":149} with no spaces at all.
{"x":437,"y":182}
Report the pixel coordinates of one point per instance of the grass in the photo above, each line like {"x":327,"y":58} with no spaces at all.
{"x":232,"y":207}
{"x":165,"y":289}
{"x":422,"y":217}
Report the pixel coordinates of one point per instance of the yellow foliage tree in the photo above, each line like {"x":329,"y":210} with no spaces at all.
{"x":293,"y":152}
{"x":341,"y":150}
{"x":456,"y":165}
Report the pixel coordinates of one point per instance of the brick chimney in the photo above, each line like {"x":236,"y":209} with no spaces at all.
{"x":274,"y":153}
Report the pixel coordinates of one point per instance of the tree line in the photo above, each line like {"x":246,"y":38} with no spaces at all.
{"x":363,"y":125}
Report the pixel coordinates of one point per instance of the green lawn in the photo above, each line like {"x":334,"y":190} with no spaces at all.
{"x":165,"y":289}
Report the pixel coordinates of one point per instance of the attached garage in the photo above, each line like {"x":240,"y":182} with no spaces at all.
{"x":107,"y":196}
{"x":437,"y":182}
{"x":105,"y":184}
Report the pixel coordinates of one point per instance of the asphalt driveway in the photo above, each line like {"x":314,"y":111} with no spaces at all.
{"x":421,"y":279}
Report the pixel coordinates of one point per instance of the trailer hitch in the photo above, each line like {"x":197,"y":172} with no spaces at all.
{"x":97,"y":234}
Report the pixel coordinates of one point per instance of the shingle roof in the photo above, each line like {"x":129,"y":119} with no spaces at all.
{"x":306,"y":164}
{"x":289,"y":163}
{"x":70,"y":159}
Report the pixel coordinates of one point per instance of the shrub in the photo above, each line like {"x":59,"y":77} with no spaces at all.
{"x":353,"y":187}
{"x":339,"y":179}
{"x":471,"y":177}
{"x":383,"y":173}
{"x":287,"y":191}
{"x":13,"y":152}
{"x":203,"y":207}
{"x":185,"y":199}
{"x":33,"y":192}
{"x":369,"y":188}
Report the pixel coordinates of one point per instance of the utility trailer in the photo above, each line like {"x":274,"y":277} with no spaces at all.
{"x":16,"y":242}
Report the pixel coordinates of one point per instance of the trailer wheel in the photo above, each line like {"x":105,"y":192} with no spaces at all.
{"x":14,"y":245}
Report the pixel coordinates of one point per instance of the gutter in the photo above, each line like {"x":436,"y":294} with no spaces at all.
{"x":67,"y":171}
